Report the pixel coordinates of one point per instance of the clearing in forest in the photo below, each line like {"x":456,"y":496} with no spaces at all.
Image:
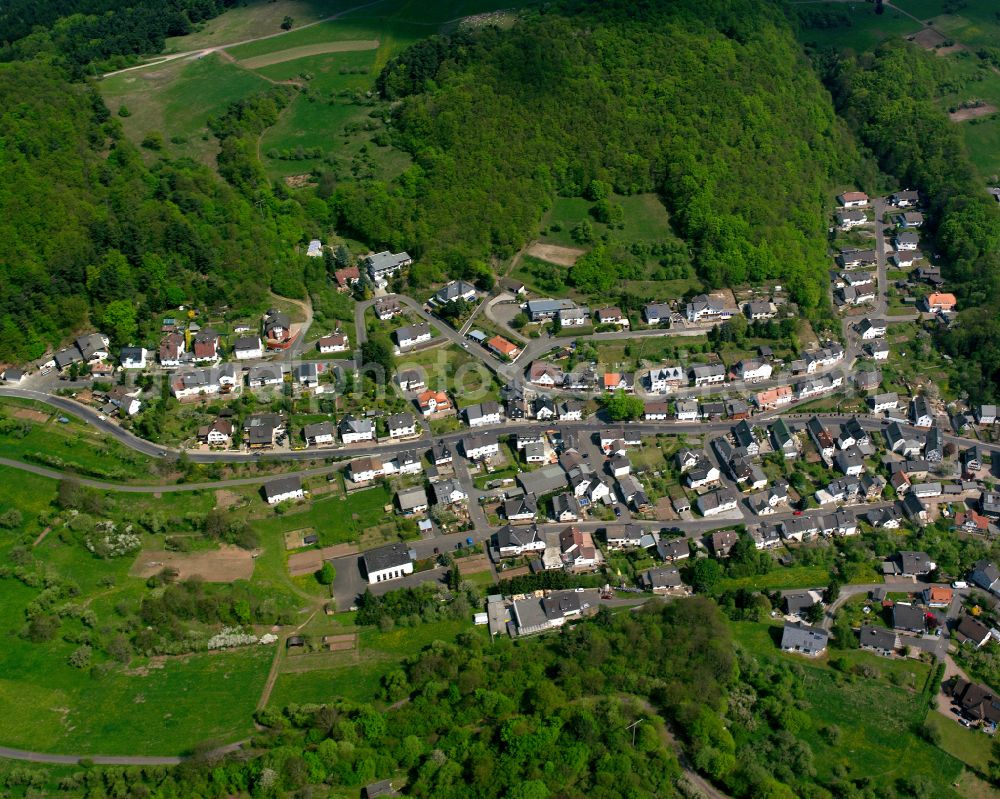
{"x":554,"y":254}
{"x":226,"y":564}
{"x":963,"y":114}
{"x":321,"y":48}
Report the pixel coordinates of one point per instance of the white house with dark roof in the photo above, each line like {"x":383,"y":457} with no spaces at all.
{"x":411,"y":335}
{"x":132,"y":358}
{"x":283,"y":489}
{"x":246,"y":348}
{"x":388,"y":563}
{"x":401,"y":425}
{"x":354,"y":430}
{"x":383,"y":265}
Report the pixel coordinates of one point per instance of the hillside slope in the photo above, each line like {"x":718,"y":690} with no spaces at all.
{"x":709,"y":104}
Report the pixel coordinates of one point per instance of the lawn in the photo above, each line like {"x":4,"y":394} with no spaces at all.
{"x":74,"y":446}
{"x":779,"y":577}
{"x":970,"y":746}
{"x":335,"y":518}
{"x":876,"y":718}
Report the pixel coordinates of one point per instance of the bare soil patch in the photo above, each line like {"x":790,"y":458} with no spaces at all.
{"x":554,"y":254}
{"x":519,"y":571}
{"x":474,"y":564}
{"x":963,"y":114}
{"x":28,"y":414}
{"x":298,"y":181}
{"x":226,"y":499}
{"x":312,"y":561}
{"x":928,"y":38}
{"x":340,"y":643}
{"x":305,"y":50}
{"x":224,"y":565}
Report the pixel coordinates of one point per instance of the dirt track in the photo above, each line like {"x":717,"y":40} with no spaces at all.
{"x":305,"y":50}
{"x":963,"y":114}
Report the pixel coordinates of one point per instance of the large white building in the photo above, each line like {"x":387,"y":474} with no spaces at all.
{"x":388,"y":563}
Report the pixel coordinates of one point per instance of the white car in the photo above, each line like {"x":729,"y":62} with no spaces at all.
{"x":959,"y":584}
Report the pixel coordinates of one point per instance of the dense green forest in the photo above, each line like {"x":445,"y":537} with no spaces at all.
{"x":88,"y":34}
{"x":709,"y":104}
{"x":88,"y":231}
{"x":888,"y":98}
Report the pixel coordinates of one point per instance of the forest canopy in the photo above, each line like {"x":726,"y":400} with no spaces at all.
{"x":711,"y":105}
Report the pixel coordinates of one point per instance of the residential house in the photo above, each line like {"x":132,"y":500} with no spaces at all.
{"x":433,"y":402}
{"x":388,"y":563}
{"x":799,"y":638}
{"x":783,"y":440}
{"x":93,"y":347}
{"x":566,"y":508}
{"x":971,"y":631}
{"x":910,"y":219}
{"x":986,"y":575}
{"x":574,"y":317}
{"x":277,"y":326}
{"x":522,"y":509}
{"x":364,"y":470}
{"x":481,"y":446}
{"x":773,"y":398}
{"x":656,"y":411}
{"x":441,"y":453}
{"x":411,"y":380}
{"x":619,"y":465}
{"x":900,"y":443}
{"x":406,"y":462}
{"x":760,"y":309}
{"x":412,"y":501}
{"x":746,"y":437}
{"x":129,"y":357}
{"x":880,"y":640}
{"x":938,"y":302}
{"x":912,"y":564}
{"x":853,"y":199}
{"x":483,"y":413}
{"x":661,"y":581}
{"x":171,"y":349}
{"x":319,"y":433}
{"x":347,"y":277}
{"x":612,"y":315}
{"x":905,"y":199}
{"x":545,"y":374}
{"x":852,"y":259}
{"x":878,"y":349}
{"x":448,"y":492}
{"x":454,"y":291}
{"x":512,"y":542}
{"x":934,"y":445}
{"x":906,"y":240}
{"x":977,"y":703}
{"x":570,"y":410}
{"x":972,"y":459}
{"x":850,"y":462}
{"x":411,"y":335}
{"x":543,"y":408}
{"x":206,"y":346}
{"x":657,"y":313}
{"x":920,"y":412}
{"x":707,"y":374}
{"x":541,"y":310}
{"x":703,"y":473}
{"x":387,"y":307}
{"x":674,"y":549}
{"x":401,"y":425}
{"x":383,"y":265}
{"x":986,"y":414}
{"x":623,"y":536}
{"x":850,"y":219}
{"x":926,"y":490}
{"x":306,"y":376}
{"x":715,"y":502}
{"x":247,"y":348}
{"x":577,"y":548}
{"x":217,"y":434}
{"x":871,"y":328}
{"x":265,"y":374}
{"x":989,"y":504}
{"x":503,"y":347}
{"x":880,"y":403}
{"x":663,"y":379}
{"x":752,"y":370}
{"x":798,"y":602}
{"x":686,"y":410}
{"x":909,"y":618}
{"x":938,"y":596}
{"x":704,"y":308}
{"x":821,"y":438}
{"x":335,"y":342}
{"x":354,"y":430}
{"x":283,"y":489}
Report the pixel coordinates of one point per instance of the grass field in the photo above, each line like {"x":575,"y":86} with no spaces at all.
{"x":970,"y":746}
{"x":779,"y":577}
{"x":73,"y":446}
{"x":178,"y":99}
{"x":866,"y":29}
{"x":359,"y":675}
{"x":876,"y":716}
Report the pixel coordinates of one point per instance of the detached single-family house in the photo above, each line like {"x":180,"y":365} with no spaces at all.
{"x":577,"y":548}
{"x":851,"y":218}
{"x":383,"y":265}
{"x":347,"y":277}
{"x":401,"y":425}
{"x":277,"y":326}
{"x":246,"y":348}
{"x":708,"y":374}
{"x":612,"y":315}
{"x":454,"y":291}
{"x":853,"y":199}
{"x":364,"y":470}
{"x":906,"y":240}
{"x":335,"y":342}
{"x":799,"y":638}
{"x":656,"y":313}
{"x":354,"y":430}
{"x":512,"y":542}
{"x":319,"y":433}
{"x":433,"y":402}
{"x":480,"y":446}
{"x":412,"y":501}
{"x":483,"y":413}
{"x":880,"y":640}
{"x":387,"y":307}
{"x":411,"y":335}
{"x":217,"y":434}
{"x":715,"y":502}
{"x":661,"y":580}
{"x":206,"y":346}
{"x":503,"y":347}
{"x":130,"y":357}
{"x":938,"y":302}
{"x":283,"y":489}
{"x":986,"y":575}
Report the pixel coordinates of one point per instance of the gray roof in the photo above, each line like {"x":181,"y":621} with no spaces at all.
{"x":662,"y":578}
{"x":907,"y":617}
{"x":411,"y":498}
{"x":318,"y":429}
{"x":508,"y":536}
{"x":398,"y":420}
{"x":454,"y":290}
{"x":878,"y":637}
{"x":282,"y":485}
{"x":351,"y":425}
{"x":387,"y":557}
{"x":543,"y":481}
{"x":412,"y":331}
{"x":803,"y":638}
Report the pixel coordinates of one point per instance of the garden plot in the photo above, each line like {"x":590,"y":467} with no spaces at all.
{"x":226,"y":564}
